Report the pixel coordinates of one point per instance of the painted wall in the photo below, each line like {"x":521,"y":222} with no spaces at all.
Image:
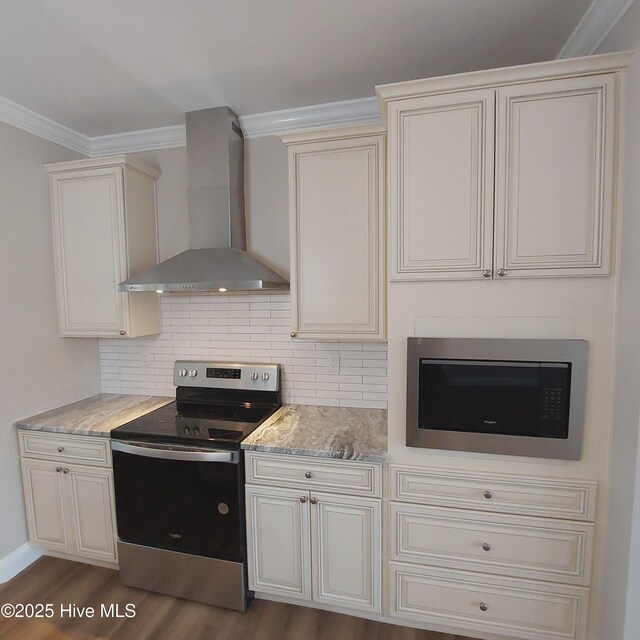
{"x":39,"y":370}
{"x":622,"y":570}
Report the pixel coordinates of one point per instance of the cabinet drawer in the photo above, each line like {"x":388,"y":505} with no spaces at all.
{"x":536,"y":548}
{"x":87,"y":449}
{"x":557,"y":498}
{"x":483,"y":604}
{"x":305,"y":472}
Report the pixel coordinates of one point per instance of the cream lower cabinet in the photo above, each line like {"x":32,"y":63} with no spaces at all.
{"x":314,"y":545}
{"x":104,"y":230}
{"x":477,"y":566}
{"x":503,"y":174}
{"x":337,"y":228}
{"x":70,"y":507}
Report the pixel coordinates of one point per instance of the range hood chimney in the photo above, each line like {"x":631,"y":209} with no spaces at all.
{"x":217,"y":259}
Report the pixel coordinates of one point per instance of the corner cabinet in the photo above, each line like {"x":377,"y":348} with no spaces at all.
{"x":337,"y":224}
{"x":510,"y":173}
{"x":69,"y":499}
{"x":309,"y":541}
{"x":104,"y":229}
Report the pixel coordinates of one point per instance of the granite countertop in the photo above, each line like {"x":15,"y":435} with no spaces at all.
{"x":326,"y":432}
{"x":94,"y":416}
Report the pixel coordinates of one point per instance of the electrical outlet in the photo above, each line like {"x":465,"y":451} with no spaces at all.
{"x":333,"y":362}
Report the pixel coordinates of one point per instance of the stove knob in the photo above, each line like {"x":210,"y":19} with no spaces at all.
{"x":196,"y":431}
{"x":186,"y":431}
{"x":254,"y":375}
{"x":193,"y":373}
{"x":265,"y":376}
{"x":182,"y":373}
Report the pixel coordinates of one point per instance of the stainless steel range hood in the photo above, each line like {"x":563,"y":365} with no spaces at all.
{"x":217,"y":259}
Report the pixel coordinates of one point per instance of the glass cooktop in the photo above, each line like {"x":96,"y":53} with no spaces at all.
{"x":223,"y":426}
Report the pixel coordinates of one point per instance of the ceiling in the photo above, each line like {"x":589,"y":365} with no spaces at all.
{"x":103,"y":67}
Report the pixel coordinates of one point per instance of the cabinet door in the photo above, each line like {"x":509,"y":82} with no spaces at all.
{"x":93,"y":512}
{"x":278,"y":541}
{"x":556,"y":156}
{"x":337,"y":237}
{"x":346,"y":551}
{"x":88,"y":231}
{"x":441,"y":167}
{"x":44,"y":501}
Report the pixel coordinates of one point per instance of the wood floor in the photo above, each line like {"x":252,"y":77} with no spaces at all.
{"x":61,"y":582}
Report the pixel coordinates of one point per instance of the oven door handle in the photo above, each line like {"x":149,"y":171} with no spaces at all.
{"x":147,"y":451}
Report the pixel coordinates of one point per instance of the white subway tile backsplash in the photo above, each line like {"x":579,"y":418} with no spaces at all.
{"x":245,"y":328}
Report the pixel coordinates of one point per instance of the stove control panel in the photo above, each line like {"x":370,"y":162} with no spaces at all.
{"x":226,"y":375}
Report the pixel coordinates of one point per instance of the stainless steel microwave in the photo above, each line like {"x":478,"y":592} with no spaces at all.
{"x":506,"y":396}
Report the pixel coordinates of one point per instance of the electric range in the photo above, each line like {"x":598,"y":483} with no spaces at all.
{"x":179,"y":483}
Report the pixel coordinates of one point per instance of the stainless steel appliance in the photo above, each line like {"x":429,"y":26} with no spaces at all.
{"x":514,"y":397}
{"x":179,"y":483}
{"x":217,"y":258}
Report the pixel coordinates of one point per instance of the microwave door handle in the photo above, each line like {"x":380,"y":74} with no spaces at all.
{"x":146,"y":451}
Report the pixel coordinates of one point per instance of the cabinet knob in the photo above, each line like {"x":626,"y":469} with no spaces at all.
{"x":60,"y":449}
{"x":293,"y":334}
{"x":487,"y":273}
{"x":308,"y":475}
{"x":488,"y":495}
{"x":65,"y":470}
{"x":123,"y":332}
{"x":483,"y":606}
{"x":58,"y":469}
{"x":303,"y":499}
{"x":486,"y":546}
{"x":313,"y":500}
{"x":501,"y":272}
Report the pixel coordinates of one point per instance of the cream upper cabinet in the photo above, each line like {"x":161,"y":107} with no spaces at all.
{"x":441,"y":166}
{"x":104,"y":229}
{"x":504,"y":173}
{"x":555,"y":177}
{"x":336,"y":200}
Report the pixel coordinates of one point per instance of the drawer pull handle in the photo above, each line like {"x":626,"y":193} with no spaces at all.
{"x":60,"y":449}
{"x":313,"y":500}
{"x":65,"y":470}
{"x":308,"y":475}
{"x":483,"y":606}
{"x":488,"y":495}
{"x":58,"y":469}
{"x":303,"y":499}
{"x":486,"y":546}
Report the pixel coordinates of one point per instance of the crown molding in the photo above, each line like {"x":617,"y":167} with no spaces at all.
{"x":32,"y":122}
{"x":596,"y":24}
{"x":143,"y":140}
{"x":318,"y":116}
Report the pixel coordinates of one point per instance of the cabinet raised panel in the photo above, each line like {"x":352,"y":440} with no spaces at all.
{"x":441,"y":186}
{"x":336,"y":201}
{"x":346,"y":551}
{"x":104,"y":228}
{"x":555,"y":177}
{"x":278,"y":548}
{"x":44,"y":500}
{"x":93,"y":509}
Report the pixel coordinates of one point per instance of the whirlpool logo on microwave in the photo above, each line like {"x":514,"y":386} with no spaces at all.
{"x":490,"y":422}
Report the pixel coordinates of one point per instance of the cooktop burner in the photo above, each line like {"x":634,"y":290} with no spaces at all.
{"x":230,"y":403}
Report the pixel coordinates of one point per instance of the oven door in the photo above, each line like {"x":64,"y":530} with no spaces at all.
{"x":181,"y":499}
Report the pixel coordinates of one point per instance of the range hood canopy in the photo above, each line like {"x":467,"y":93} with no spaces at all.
{"x":217,"y":259}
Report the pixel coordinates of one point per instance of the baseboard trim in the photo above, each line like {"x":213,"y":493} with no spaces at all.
{"x":17,"y":561}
